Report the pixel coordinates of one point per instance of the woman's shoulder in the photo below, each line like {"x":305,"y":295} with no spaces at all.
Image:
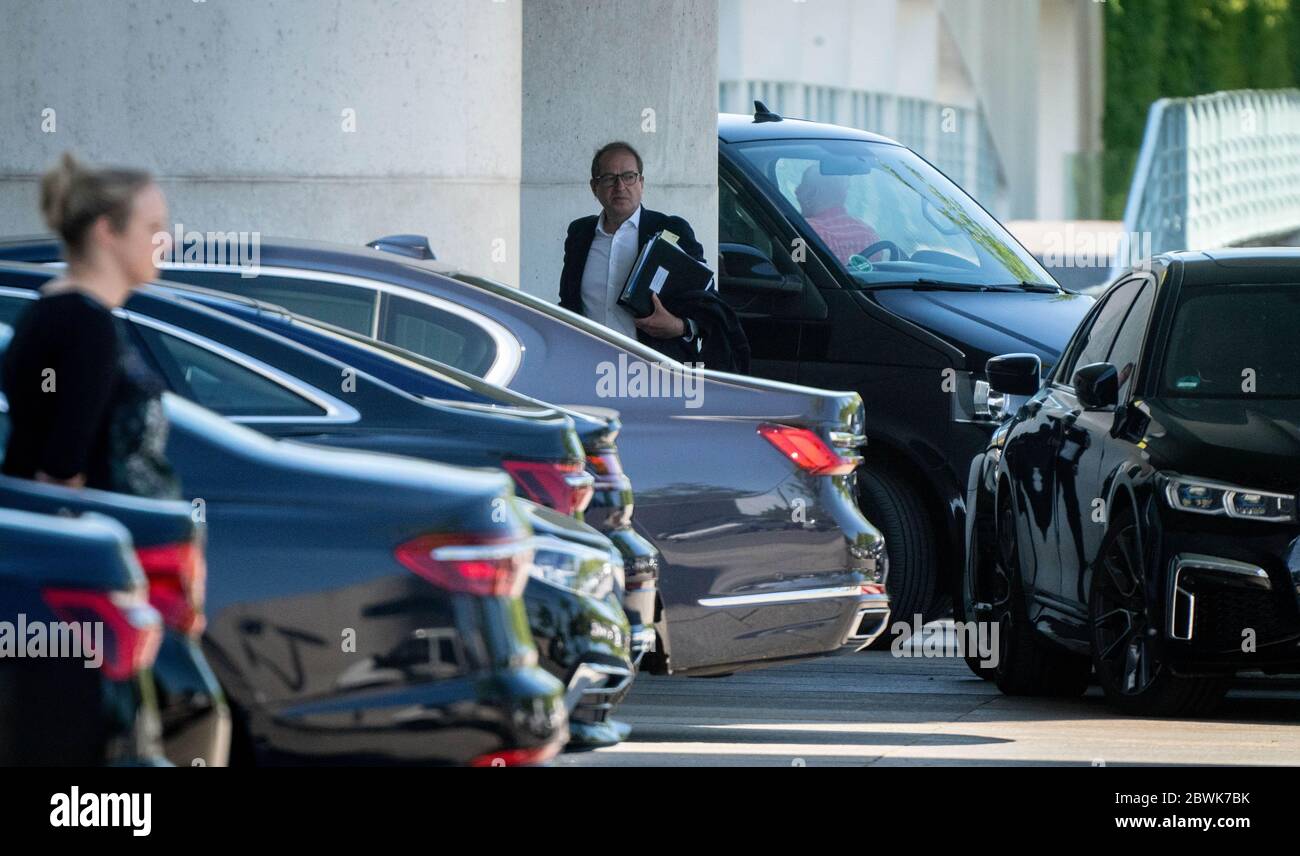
{"x":67,"y":315}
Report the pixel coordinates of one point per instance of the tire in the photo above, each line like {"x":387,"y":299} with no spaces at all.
{"x":963,"y":599}
{"x":1126,"y":641}
{"x":1027,"y":665}
{"x":893,"y":507}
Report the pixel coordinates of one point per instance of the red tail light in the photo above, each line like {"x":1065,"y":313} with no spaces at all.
{"x":132,"y":629}
{"x":469,"y":564}
{"x":808,"y":451}
{"x":564,"y":486}
{"x":517,"y":757}
{"x":605,"y":465}
{"x":177,"y":583}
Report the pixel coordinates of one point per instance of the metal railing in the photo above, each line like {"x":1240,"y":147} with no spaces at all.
{"x":1215,"y":171}
{"x":955,"y":139}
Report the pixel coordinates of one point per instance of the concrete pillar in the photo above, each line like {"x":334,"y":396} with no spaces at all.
{"x":242,"y":108}
{"x":644,"y":71}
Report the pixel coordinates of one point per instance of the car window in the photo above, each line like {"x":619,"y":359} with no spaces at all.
{"x":1127,"y":349}
{"x":437,"y":334}
{"x":1095,"y":344}
{"x":351,"y":307}
{"x":886,"y":216}
{"x":222,"y":385}
{"x":1234,"y":341}
{"x":736,"y":225}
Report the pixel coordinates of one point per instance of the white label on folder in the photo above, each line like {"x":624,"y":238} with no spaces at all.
{"x":661,"y":275}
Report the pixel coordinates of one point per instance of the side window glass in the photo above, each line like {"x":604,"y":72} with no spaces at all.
{"x":348,"y":306}
{"x":219,"y":384}
{"x":737,"y":226}
{"x":1096,"y":343}
{"x":1127,"y":350}
{"x":440,"y":335}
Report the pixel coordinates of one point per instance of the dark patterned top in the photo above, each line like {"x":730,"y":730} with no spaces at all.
{"x":83,"y":400}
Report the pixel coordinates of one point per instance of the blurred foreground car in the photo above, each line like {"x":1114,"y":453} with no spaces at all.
{"x":54,"y":710}
{"x":364,"y":608}
{"x":1137,"y":517}
{"x":170,"y":550}
{"x":744,"y":486}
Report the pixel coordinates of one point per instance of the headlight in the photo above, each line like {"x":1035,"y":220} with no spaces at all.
{"x":1206,"y":497}
{"x":584,"y":569}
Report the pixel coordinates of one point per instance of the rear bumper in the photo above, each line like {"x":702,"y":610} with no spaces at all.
{"x":446,"y":722}
{"x":191,"y":705}
{"x":587,"y":643}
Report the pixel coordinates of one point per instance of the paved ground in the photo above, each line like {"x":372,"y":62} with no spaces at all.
{"x":873,"y":708}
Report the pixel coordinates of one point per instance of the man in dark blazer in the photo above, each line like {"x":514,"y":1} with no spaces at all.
{"x":601,"y":249}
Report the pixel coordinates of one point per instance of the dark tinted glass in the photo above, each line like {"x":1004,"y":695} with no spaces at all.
{"x":1234,"y":341}
{"x":224,"y":386}
{"x":439,"y":335}
{"x":348,"y":306}
{"x":1095,"y":346}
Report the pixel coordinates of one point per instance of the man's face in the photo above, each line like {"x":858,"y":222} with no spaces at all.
{"x":620,"y":200}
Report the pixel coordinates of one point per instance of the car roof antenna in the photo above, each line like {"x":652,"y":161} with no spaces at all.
{"x":411,"y":246}
{"x":762,"y":114}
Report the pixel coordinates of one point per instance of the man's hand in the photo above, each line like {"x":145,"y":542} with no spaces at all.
{"x":661,"y":323}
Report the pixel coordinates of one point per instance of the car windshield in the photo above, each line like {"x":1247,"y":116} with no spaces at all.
{"x":1234,"y":341}
{"x":887,"y":217}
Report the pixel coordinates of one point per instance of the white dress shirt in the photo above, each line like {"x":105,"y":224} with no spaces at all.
{"x":608,"y":264}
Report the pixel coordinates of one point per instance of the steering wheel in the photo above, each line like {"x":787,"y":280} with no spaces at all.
{"x":895,"y":254}
{"x":862,"y":261}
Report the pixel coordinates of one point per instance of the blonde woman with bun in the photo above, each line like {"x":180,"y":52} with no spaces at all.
{"x":85,"y":409}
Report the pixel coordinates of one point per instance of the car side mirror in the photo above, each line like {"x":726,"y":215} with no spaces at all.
{"x":1097,"y":386}
{"x":746,"y":268}
{"x":1015,"y":374}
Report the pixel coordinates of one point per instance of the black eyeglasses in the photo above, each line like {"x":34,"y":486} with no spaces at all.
{"x":608,"y":179}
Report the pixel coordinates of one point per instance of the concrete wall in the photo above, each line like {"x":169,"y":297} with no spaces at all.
{"x":238,"y":106}
{"x":644,"y":71}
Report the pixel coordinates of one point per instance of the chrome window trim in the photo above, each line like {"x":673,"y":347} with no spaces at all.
{"x":509,"y":352}
{"x":761,"y":598}
{"x":25,"y":293}
{"x":336,"y":411}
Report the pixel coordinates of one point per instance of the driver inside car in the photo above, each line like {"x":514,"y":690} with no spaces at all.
{"x":821,"y":201}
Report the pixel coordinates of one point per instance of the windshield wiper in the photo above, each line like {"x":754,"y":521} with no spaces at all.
{"x":934,"y":285}
{"x":1039,"y":287}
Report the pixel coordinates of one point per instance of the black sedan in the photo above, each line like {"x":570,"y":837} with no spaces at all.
{"x":1137,"y":516}
{"x":168,"y":545}
{"x":70,"y":695}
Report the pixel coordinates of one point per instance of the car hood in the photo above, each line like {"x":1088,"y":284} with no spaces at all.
{"x":1251,"y":443}
{"x":985,"y":324}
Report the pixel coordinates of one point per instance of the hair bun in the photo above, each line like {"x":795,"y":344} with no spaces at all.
{"x":55,"y":185}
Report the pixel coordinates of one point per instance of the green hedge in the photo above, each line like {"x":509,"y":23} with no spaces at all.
{"x":1172,"y":48}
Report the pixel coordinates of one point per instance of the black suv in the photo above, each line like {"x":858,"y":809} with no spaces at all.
{"x":1139,"y":510}
{"x":855,"y":264}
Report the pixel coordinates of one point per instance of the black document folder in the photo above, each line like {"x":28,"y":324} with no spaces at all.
{"x":663,"y":268}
